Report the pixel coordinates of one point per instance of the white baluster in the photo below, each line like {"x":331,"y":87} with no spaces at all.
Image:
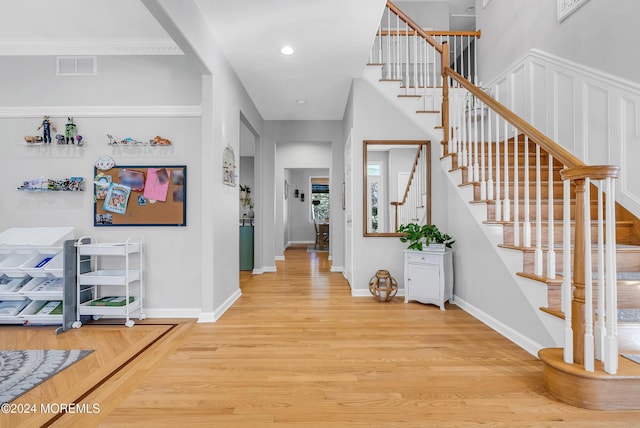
{"x":498,"y":202}
{"x":465,"y":138}
{"x":516,"y":190}
{"x":475,"y":59}
{"x":600,"y":329}
{"x":476,"y":166}
{"x":406,"y":76}
{"x":435,"y":79}
{"x":526,"y":225}
{"x":489,"y":185}
{"x":469,"y":78}
{"x":611,"y":299}
{"x":566,"y":286}
{"x":415,"y":63}
{"x":388,"y":70}
{"x":551,"y":252}
{"x":589,"y":363}
{"x":398,"y":50}
{"x":506,"y":203}
{"x":483,"y":173}
{"x":538,"y":257}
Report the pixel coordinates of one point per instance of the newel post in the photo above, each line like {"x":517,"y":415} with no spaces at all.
{"x":445,"y":90}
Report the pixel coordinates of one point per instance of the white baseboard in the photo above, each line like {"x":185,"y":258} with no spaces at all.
{"x":337,"y":268}
{"x":517,"y":338}
{"x":260,"y":271}
{"x":208,"y":317}
{"x":280,"y":258}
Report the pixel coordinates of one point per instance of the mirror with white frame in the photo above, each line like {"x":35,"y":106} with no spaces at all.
{"x":397,"y":185}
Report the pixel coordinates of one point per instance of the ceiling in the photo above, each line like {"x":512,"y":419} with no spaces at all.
{"x":331,"y":39}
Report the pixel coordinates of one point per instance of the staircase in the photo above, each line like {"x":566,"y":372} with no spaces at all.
{"x":556,"y":213}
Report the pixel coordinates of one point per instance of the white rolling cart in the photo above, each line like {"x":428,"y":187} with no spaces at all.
{"x":113,"y":275}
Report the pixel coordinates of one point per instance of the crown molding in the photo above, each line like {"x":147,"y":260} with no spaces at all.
{"x":107,"y":46}
{"x":101,"y":111}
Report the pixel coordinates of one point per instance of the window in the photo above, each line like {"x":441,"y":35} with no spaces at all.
{"x":319,"y":198}
{"x":375,"y":195}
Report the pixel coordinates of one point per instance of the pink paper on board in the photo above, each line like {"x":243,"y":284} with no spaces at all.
{"x":157,"y":184}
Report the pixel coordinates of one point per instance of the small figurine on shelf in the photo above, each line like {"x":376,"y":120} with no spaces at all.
{"x":60,"y":138}
{"x":46,"y":127}
{"x":79,"y":140}
{"x":159,"y":141}
{"x":70,"y":131}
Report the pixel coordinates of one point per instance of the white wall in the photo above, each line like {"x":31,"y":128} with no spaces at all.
{"x":599,"y":34}
{"x":427,"y":14}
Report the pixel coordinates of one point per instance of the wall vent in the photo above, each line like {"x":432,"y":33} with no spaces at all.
{"x":76,"y":65}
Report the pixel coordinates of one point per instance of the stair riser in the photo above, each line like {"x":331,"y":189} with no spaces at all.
{"x":625,"y":261}
{"x":544,"y":191}
{"x":544,"y":174}
{"x":623,"y":233}
{"x":544,"y":211}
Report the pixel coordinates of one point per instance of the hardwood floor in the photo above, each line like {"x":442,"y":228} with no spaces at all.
{"x":297,"y":350}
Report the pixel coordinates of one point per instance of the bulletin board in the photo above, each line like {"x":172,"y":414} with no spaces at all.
{"x":133,"y":195}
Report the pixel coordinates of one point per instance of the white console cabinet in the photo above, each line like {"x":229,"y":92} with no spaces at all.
{"x":428,"y":277}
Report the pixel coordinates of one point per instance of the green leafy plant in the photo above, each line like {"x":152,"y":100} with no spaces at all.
{"x":418,"y":235}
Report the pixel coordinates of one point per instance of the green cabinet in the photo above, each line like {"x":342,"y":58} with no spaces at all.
{"x":246,"y":248}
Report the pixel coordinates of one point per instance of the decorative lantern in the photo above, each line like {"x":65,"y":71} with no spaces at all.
{"x":383,"y":286}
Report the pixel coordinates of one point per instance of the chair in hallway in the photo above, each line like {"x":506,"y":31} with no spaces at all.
{"x":322,"y":235}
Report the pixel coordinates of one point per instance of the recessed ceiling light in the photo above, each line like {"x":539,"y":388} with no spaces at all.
{"x":470,"y":9}
{"x":301,"y":102}
{"x":286,"y":50}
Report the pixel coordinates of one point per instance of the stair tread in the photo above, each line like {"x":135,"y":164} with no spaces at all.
{"x":619,"y":247}
{"x":627,"y":223}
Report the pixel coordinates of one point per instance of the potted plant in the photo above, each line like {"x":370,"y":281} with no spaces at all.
{"x":426,"y":235}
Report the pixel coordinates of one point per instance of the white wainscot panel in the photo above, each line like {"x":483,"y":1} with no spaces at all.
{"x":517,"y":100}
{"x":630,"y":150}
{"x":564,"y":109}
{"x":596,"y":124}
{"x":539,"y":96}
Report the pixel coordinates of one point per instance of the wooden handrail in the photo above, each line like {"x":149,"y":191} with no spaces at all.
{"x":431,"y":33}
{"x":594,"y":172}
{"x":554,"y":149}
{"x":433,"y":42}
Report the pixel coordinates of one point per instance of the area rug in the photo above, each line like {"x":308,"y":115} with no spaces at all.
{"x":629,"y":315}
{"x":21,"y":371}
{"x":312,"y":249}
